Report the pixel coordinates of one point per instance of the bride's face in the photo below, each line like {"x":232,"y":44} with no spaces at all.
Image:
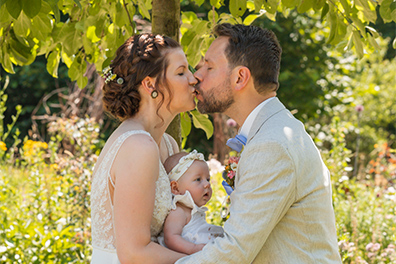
{"x":181,"y":83}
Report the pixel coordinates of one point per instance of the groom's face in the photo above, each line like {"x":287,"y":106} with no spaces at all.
{"x":215,"y":93}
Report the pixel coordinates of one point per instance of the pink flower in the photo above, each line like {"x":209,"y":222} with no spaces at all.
{"x":231,"y":122}
{"x":231,"y":174}
{"x":233,"y":160}
{"x":359,"y":108}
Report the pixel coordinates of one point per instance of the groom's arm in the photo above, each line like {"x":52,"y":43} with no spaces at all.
{"x":265,"y":190}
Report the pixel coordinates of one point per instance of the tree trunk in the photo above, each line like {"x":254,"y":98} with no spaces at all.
{"x":166,"y":21}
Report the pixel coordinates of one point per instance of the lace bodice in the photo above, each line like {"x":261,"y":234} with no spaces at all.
{"x":102,"y":215}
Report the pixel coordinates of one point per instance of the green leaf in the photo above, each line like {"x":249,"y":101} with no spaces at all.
{"x":77,"y":71}
{"x":318,"y":4}
{"x":237,"y":7}
{"x":2,"y":2}
{"x":202,"y":121}
{"x":31,"y":7}
{"x":91,"y":34}
{"x":210,"y":16}
{"x":290,"y":3}
{"x":22,"y":53}
{"x":185,"y":122}
{"x":14,"y":7}
{"x":78,"y":3}
{"x":325,"y":10}
{"x":22,"y":25}
{"x":199,"y":2}
{"x":304,"y":6}
{"x":373,"y":42}
{"x":385,"y":10}
{"x":53,"y":63}
{"x":193,"y":51}
{"x":394,"y":43}
{"x":143,"y":10}
{"x":249,"y":19}
{"x":5,"y":16}
{"x":6,"y":63}
{"x":358,"y":44}
{"x":55,"y":9}
{"x":332,"y":19}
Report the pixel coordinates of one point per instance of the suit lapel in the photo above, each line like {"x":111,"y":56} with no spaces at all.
{"x":271,"y":108}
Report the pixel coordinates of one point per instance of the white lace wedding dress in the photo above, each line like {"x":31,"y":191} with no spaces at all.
{"x":102,"y":220}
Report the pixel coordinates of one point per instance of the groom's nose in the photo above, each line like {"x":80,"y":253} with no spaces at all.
{"x":198,"y":75}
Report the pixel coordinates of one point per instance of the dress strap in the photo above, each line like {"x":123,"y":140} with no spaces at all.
{"x":168,"y":143}
{"x":112,"y":153}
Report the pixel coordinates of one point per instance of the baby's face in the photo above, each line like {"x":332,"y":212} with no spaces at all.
{"x":197,"y":181}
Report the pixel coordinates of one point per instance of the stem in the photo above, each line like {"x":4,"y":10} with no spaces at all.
{"x":129,"y":17}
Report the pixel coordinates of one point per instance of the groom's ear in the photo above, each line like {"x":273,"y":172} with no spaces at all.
{"x":174,"y":187}
{"x":241,"y":77}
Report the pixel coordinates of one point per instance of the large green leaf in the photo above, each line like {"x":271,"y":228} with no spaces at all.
{"x":31,"y":7}
{"x":20,"y":50}
{"x":387,"y":13}
{"x":290,"y":3}
{"x":143,"y":10}
{"x":41,"y":26}
{"x":77,"y":70}
{"x":185,"y":122}
{"x":237,"y":7}
{"x":6,"y":62}
{"x":14,"y":7}
{"x":22,"y":25}
{"x":358,"y":43}
{"x":305,"y":5}
{"x":53,"y":63}
{"x":202,"y":121}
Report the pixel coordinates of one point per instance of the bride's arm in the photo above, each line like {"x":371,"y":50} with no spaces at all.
{"x":136,"y":169}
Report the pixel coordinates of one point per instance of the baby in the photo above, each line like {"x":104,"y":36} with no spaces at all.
{"x":185,"y":228}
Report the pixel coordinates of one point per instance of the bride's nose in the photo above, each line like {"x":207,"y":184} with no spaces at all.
{"x":192,"y":81}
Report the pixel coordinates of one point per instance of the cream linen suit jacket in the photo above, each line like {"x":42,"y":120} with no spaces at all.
{"x":281,"y":209}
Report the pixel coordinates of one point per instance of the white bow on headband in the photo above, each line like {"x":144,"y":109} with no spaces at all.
{"x":183,"y":165}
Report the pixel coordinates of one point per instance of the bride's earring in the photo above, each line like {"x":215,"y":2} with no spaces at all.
{"x":154,"y":94}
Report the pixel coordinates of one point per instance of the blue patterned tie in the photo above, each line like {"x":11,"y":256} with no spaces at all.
{"x":236,"y":143}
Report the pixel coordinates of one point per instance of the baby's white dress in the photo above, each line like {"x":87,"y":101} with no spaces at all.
{"x":197,"y":231}
{"x":102,"y":214}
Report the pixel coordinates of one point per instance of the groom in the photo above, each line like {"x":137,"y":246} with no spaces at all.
{"x":281,"y":209}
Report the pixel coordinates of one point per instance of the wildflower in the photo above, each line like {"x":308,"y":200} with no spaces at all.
{"x":214,"y":166}
{"x":3,"y":146}
{"x":359,"y":108}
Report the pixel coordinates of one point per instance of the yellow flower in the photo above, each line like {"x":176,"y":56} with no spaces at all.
{"x":54,"y":166}
{"x":3,"y":146}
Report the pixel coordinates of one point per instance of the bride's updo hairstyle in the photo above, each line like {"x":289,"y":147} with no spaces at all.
{"x":140,"y":56}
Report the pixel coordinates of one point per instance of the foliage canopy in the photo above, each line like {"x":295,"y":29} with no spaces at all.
{"x":89,"y":31}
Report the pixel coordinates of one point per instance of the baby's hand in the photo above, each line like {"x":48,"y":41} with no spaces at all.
{"x":197,"y":247}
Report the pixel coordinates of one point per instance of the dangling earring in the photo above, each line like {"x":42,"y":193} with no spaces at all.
{"x":154,"y":94}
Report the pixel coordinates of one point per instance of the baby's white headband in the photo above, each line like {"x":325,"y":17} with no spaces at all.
{"x":183,"y":165}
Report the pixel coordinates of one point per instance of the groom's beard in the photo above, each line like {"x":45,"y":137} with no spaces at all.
{"x":216,"y":100}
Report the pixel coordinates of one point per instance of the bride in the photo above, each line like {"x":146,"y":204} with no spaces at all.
{"x":146,"y":86}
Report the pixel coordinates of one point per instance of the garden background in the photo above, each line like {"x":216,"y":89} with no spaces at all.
{"x":338,"y":76}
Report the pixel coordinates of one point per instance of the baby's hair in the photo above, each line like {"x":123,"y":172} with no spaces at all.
{"x":173,"y":160}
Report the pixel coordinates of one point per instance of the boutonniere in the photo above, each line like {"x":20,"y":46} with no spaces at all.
{"x":230,"y":170}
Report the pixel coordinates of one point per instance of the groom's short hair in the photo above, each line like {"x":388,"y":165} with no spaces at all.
{"x":257,"y":49}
